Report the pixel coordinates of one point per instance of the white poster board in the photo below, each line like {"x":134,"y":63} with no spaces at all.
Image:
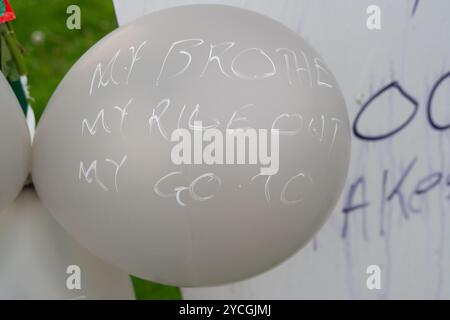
{"x":394,"y":210}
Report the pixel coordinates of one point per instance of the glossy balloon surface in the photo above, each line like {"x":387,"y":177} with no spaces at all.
{"x":15,"y":145}
{"x":108,"y":165}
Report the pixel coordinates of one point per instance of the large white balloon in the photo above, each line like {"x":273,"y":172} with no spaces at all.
{"x":196,"y":146}
{"x":40,"y":261}
{"x":15,"y":145}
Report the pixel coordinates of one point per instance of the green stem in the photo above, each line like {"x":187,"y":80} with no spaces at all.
{"x":13,"y":46}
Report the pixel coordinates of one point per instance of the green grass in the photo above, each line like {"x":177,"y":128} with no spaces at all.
{"x":50,"y":58}
{"x":145,"y":289}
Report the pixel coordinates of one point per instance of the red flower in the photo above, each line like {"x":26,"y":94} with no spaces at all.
{"x":6,"y":12}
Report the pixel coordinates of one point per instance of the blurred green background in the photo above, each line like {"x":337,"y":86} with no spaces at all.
{"x":51,"y":49}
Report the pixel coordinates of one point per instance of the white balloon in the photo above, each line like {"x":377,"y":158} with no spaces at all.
{"x":124,"y":157}
{"x":40,"y":261}
{"x":15,"y":145}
